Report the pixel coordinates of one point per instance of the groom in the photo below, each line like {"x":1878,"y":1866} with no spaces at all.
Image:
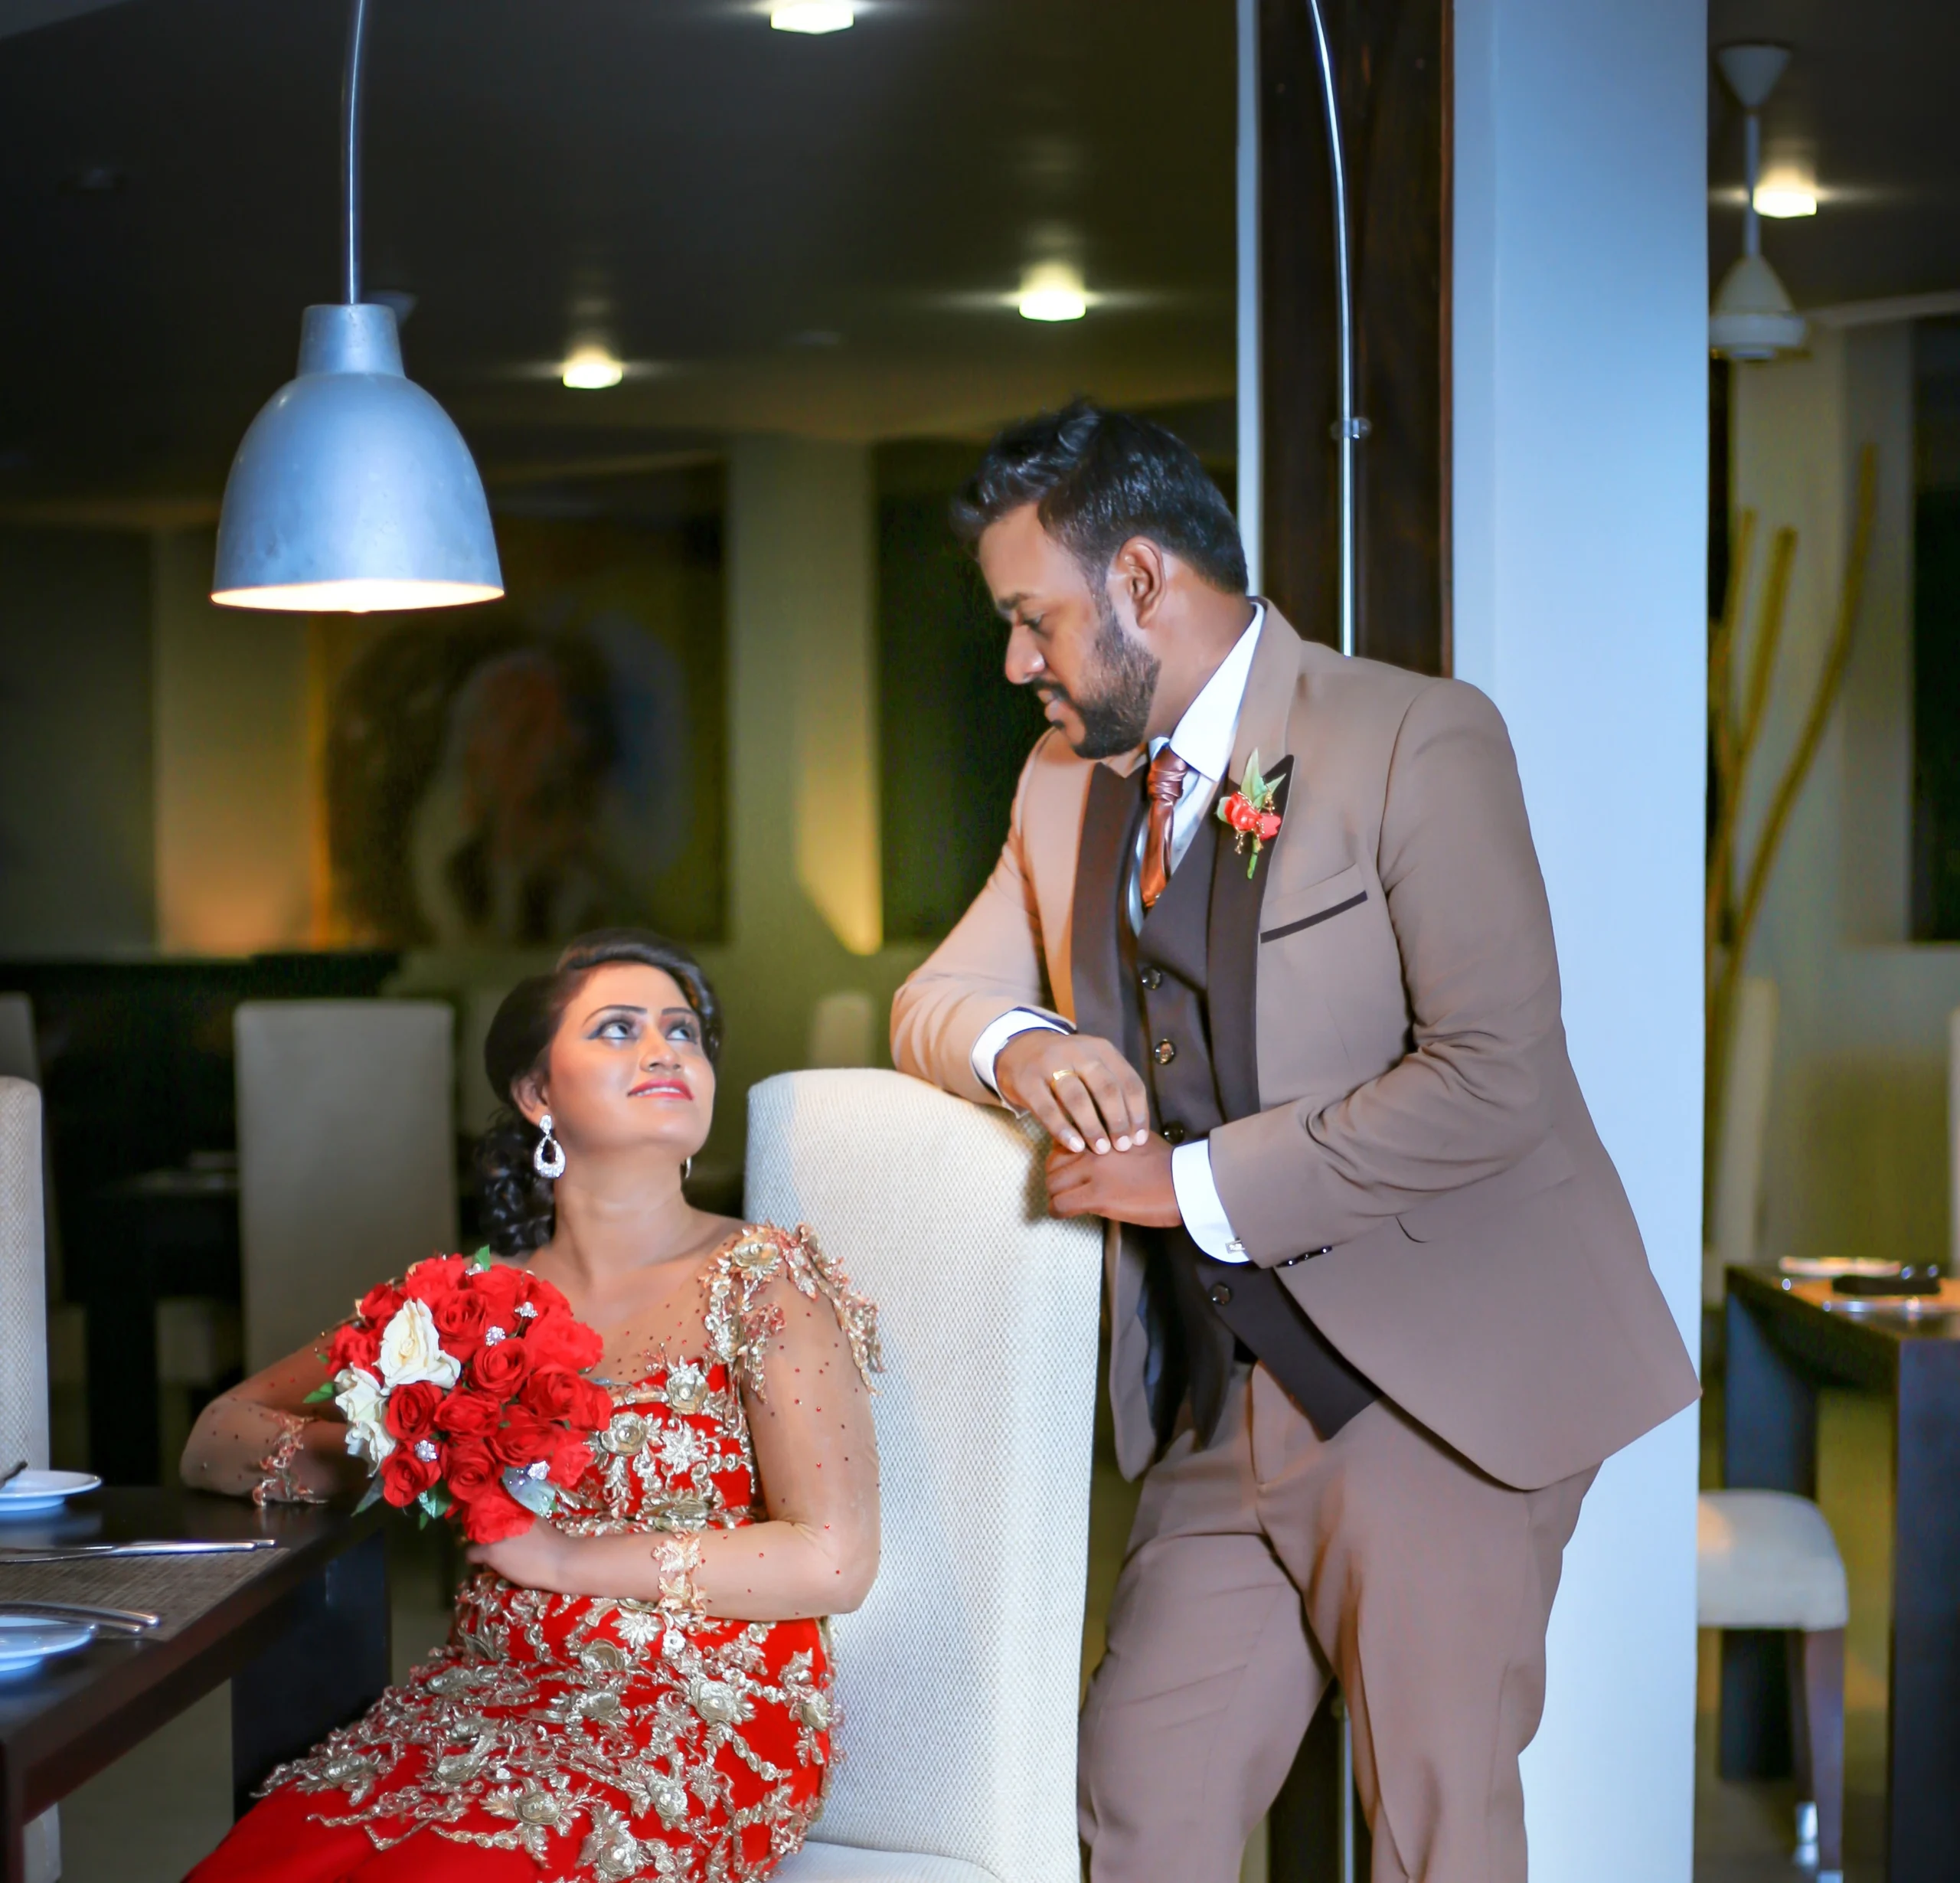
{"x":1268,"y":953}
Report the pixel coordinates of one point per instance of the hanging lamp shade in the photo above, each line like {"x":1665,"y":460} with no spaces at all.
{"x":1752,"y":318}
{"x":353,"y":489}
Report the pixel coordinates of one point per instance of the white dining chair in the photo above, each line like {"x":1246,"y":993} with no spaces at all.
{"x":347,"y":1161}
{"x":959,"y":1678}
{"x":1767,"y":1560}
{"x":24,"y":1347}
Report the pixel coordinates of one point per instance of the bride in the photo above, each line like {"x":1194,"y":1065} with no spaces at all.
{"x":639,"y":1686}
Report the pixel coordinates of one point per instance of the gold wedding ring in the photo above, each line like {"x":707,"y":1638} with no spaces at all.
{"x":1066,"y":1072}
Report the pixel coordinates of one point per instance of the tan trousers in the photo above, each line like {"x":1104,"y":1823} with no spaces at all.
{"x":1256,"y":1562}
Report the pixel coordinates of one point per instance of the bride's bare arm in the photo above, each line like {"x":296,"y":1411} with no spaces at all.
{"x":818,"y":1460}
{"x":240,"y":1430}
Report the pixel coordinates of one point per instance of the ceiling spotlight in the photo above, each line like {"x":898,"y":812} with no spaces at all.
{"x":1752,"y":318}
{"x":812,"y":16}
{"x":1783,"y":197}
{"x":1052,"y":291}
{"x":592,"y":369}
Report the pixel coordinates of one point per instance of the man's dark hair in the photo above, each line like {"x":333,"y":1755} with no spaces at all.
{"x":1097,"y":479}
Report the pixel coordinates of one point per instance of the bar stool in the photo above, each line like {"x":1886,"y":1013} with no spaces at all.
{"x":1767,"y":1560}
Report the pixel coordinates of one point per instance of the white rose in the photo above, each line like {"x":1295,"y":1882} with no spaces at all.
{"x":411,"y":1352}
{"x":365,"y":1406}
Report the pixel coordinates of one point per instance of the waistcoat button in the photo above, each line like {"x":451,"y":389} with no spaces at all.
{"x":1175,"y":1134}
{"x":1221,"y":1294}
{"x":1152,"y":979}
{"x":1164,"y":1052}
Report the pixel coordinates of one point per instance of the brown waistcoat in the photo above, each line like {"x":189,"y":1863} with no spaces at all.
{"x":1200,"y":1313}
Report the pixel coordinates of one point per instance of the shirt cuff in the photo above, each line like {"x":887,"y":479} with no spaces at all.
{"x":1199,"y":1203}
{"x":996,"y":1033}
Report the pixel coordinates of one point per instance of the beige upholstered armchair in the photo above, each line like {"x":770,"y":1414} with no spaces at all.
{"x":958,"y":1677}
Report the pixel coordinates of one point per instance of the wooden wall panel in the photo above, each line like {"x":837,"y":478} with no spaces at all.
{"x":1393,"y":59}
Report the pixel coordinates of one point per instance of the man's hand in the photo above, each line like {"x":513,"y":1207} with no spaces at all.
{"x":1133,"y":1189}
{"x":1086,"y":1096}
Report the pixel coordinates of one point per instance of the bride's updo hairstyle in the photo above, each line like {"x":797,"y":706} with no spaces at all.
{"x":517,"y":1210}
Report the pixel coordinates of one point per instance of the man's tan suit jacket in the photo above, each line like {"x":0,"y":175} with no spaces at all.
{"x":1420,"y":1122}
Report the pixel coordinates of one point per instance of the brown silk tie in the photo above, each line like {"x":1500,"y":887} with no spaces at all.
{"x":1167,"y":787}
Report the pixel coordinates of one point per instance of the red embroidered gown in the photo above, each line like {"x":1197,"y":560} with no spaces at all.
{"x":563,"y":1736}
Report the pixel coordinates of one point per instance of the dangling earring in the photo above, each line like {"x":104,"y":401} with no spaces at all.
{"x":548,"y":1159}
{"x":687,"y":1168}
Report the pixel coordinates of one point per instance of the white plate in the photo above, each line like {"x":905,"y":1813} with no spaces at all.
{"x":35,"y":1493}
{"x":26,"y":1641}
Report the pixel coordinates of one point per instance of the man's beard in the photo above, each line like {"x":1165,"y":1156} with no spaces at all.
{"x":1115,"y":716}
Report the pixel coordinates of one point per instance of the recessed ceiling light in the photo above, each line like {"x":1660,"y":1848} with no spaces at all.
{"x":1053,"y":292}
{"x":591,"y":369}
{"x":1784,"y":196}
{"x":812,"y":16}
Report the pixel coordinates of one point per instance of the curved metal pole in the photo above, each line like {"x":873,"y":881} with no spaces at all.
{"x":1349,"y":429}
{"x":353,"y":94}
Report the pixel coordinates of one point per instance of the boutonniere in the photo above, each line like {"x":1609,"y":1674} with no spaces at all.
{"x":1249,"y":811}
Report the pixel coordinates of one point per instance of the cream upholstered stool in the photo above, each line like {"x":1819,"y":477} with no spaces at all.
{"x":24,"y":1347}
{"x":958,"y":1679}
{"x":1767,"y":1560}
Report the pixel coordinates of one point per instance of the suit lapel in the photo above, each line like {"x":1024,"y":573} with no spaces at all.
{"x":1232,"y":954}
{"x":1095,"y":968}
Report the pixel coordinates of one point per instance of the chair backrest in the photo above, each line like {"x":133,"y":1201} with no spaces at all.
{"x":346,"y":1156}
{"x":22,"y":1298}
{"x":959,"y":1678}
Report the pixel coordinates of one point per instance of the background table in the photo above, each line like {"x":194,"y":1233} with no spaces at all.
{"x":1783,"y":1340}
{"x":305,"y":1644}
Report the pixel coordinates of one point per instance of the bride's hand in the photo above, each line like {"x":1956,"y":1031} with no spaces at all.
{"x":540,"y":1557}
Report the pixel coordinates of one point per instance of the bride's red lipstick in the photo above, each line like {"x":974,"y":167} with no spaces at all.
{"x":675,"y":1088}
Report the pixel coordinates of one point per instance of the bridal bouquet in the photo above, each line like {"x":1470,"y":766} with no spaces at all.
{"x":462,"y":1388}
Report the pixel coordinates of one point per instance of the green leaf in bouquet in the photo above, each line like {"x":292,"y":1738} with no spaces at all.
{"x":319,"y":1395}
{"x":433,"y":1502}
{"x":370,"y":1496}
{"x":482,"y":1259}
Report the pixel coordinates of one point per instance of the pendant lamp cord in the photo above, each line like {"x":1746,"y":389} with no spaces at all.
{"x":353,"y":95}
{"x":1349,"y":429}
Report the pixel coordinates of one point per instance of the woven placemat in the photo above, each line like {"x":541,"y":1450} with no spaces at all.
{"x":179,"y":1588}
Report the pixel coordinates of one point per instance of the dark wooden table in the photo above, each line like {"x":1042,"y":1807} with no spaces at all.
{"x":1784,"y":1341}
{"x":305,"y":1645}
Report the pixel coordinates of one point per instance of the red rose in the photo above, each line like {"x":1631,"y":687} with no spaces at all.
{"x":354,"y":1344}
{"x":1239,"y":812}
{"x":412,"y":1410}
{"x":378,"y":1305}
{"x":523,"y":1438}
{"x":500,"y":1287}
{"x":493,"y":1516}
{"x":551,"y":1392}
{"x":471,"y":1470}
{"x":498,"y":1369}
{"x":571,"y":1458}
{"x":461,"y":1319}
{"x":429,"y":1281}
{"x":404,"y":1476}
{"x":592,"y":1411}
{"x":465,"y":1413}
{"x":1268,"y":826}
{"x":558,"y":1337}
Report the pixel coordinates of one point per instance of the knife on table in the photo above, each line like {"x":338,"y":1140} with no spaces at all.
{"x":134,"y":1621}
{"x":174,"y":1546}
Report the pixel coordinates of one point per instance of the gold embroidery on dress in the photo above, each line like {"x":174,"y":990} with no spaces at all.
{"x":554,"y":1724}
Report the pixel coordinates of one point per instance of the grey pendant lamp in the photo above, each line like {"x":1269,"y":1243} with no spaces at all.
{"x":353,"y":490}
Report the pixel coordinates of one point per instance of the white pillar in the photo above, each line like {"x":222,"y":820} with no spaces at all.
{"x":1580,"y":516}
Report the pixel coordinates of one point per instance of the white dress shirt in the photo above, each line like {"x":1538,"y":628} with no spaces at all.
{"x":1203,"y":739}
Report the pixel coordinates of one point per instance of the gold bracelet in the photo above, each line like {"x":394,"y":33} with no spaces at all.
{"x":278,"y":1484}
